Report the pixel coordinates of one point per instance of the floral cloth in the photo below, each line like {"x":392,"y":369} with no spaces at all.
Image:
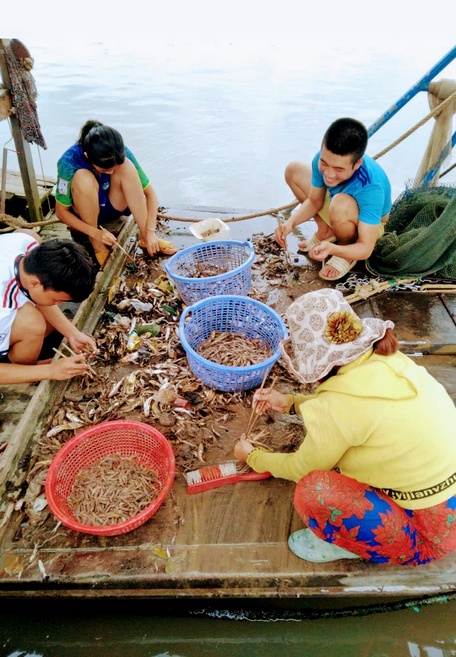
{"x":364,"y":520}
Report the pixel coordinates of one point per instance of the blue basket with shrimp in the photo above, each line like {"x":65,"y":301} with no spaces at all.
{"x":230,"y":314}
{"x":211,"y":269}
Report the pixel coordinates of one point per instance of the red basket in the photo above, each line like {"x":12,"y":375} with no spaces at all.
{"x":127,"y":438}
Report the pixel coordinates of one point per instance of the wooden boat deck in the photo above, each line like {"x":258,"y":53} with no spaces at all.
{"x":225,"y":544}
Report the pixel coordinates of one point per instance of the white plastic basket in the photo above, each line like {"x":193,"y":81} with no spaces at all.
{"x":210,"y":230}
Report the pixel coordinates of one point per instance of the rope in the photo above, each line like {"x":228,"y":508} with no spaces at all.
{"x":315,"y":614}
{"x":364,"y":290}
{"x":272,"y":211}
{"x":444,"y":173}
{"x":14,"y":223}
{"x":434,"y":112}
{"x":21,"y":223}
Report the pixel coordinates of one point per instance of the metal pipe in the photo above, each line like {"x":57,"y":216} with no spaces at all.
{"x":435,"y":169}
{"x":421,"y":85}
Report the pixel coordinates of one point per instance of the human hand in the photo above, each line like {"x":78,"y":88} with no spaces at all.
{"x":268,"y":398}
{"x":105,"y":237}
{"x":242,"y":448}
{"x":80,"y":342}
{"x":321,"y":251}
{"x":281,"y":233}
{"x":152,"y":242}
{"x":65,"y":368}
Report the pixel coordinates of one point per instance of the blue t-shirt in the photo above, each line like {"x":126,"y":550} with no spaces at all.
{"x":74,"y":159}
{"x":369,"y":186}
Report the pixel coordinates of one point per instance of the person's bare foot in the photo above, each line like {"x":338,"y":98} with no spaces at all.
{"x":336,"y":267}
{"x":330,"y":272}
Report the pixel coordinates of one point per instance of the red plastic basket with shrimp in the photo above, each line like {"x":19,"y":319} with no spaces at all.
{"x":128,"y":439}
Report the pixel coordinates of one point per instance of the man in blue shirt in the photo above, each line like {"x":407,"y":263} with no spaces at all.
{"x":347,"y":194}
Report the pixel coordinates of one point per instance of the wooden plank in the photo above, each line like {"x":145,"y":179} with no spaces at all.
{"x":24,"y":154}
{"x":13,"y":401}
{"x":226,"y":543}
{"x":442,"y":368}
{"x":422,"y":320}
{"x":15,"y":187}
{"x":216,"y":562}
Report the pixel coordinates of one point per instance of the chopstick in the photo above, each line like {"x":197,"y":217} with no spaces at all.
{"x":287,"y":253}
{"x":73,"y":353}
{"x":255,"y":414}
{"x":119,"y":246}
{"x":253,"y":407}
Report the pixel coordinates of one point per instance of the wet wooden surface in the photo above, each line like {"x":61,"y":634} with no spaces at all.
{"x":230,"y":542}
{"x":15,"y":187}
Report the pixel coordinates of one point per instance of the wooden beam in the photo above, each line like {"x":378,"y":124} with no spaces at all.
{"x":23,"y":151}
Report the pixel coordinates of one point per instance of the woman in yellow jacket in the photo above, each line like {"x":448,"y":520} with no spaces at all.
{"x":376,"y":472}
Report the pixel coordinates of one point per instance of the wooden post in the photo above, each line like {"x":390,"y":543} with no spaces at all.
{"x":24,"y":154}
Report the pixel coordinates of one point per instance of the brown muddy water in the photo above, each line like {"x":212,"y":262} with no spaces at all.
{"x":100,"y":629}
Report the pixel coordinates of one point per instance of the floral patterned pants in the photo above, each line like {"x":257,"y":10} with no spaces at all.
{"x":366,"y":521}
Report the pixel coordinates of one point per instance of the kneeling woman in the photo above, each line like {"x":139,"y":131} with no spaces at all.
{"x":376,"y":472}
{"x":99,"y":181}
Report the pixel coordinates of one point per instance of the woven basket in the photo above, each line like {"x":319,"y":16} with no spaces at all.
{"x":127,"y":438}
{"x":236,"y":257}
{"x":230,"y":314}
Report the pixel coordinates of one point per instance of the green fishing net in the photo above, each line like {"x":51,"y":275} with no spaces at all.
{"x":420,"y":237}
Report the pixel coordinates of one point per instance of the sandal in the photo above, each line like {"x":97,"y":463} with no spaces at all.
{"x":314,"y":241}
{"x":341,"y":265}
{"x":305,"y":545}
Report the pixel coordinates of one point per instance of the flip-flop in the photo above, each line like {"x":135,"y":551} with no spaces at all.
{"x":341,"y":265}
{"x":305,"y":545}
{"x":314,"y":241}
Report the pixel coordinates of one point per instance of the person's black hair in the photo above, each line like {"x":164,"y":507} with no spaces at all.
{"x":63,"y":266}
{"x":103,"y":145}
{"x":346,"y":137}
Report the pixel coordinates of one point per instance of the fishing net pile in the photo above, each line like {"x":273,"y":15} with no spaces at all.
{"x":420,"y":237}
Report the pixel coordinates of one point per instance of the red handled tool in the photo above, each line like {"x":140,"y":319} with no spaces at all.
{"x":214,"y":476}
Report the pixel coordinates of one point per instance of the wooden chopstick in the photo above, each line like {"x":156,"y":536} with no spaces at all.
{"x":119,"y":246}
{"x":253,"y":417}
{"x":287,"y":253}
{"x":256,"y":410}
{"x":73,"y":353}
{"x":253,"y":407}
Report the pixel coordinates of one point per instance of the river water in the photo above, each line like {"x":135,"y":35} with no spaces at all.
{"x":214,"y":122}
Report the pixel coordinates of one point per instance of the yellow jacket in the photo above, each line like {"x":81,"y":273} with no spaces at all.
{"x":382,"y":420}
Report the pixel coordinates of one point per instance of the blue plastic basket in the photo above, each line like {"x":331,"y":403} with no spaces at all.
{"x":230,"y":314}
{"x":235,"y":256}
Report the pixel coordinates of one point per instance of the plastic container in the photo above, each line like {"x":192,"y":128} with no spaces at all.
{"x":210,"y":230}
{"x":127,"y":438}
{"x":230,"y":314}
{"x":233,"y":256}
